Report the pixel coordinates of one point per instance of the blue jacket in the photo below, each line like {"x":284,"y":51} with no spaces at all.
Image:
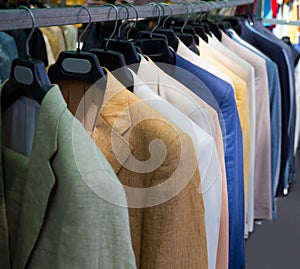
{"x":280,"y":53}
{"x":220,"y":96}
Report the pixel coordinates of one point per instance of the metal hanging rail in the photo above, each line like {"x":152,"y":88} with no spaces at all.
{"x":12,"y":19}
{"x":284,"y":22}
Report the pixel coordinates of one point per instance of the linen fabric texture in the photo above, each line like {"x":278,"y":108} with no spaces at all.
{"x":167,"y":217}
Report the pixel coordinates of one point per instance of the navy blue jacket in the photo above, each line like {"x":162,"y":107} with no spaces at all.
{"x":281,"y":54}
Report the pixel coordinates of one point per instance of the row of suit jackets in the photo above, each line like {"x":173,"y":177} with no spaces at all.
{"x":196,"y":147}
{"x":164,"y":226}
{"x":283,"y":56}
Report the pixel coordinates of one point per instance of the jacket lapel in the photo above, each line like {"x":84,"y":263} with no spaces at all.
{"x":113,"y":122}
{"x":40,"y":178}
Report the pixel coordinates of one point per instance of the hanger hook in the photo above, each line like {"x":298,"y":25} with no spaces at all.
{"x":192,"y":9}
{"x":28,"y":56}
{"x":207,"y":5}
{"x":196,"y":14}
{"x":116,"y":22}
{"x":215,"y":7}
{"x":127,"y":11}
{"x":168,"y":17}
{"x":199,"y":13}
{"x":136,"y":19}
{"x":162,"y":15}
{"x":86,"y":28}
{"x":159,"y":17}
{"x":187,"y":16}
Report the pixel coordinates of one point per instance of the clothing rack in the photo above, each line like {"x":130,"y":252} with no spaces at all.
{"x":12,"y":19}
{"x":284,"y":22}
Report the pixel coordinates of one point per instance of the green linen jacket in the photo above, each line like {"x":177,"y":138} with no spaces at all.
{"x":55,"y":211}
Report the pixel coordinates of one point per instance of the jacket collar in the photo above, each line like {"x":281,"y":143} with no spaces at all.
{"x":115,"y":105}
{"x":113,"y":122}
{"x":40,"y":178}
{"x":149,"y":74}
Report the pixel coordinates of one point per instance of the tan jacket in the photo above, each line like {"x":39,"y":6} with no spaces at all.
{"x":161,"y":180}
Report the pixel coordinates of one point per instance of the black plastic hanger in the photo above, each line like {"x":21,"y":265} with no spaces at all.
{"x":148,"y":35}
{"x":199,"y":29}
{"x":114,"y":61}
{"x":205,"y":27}
{"x":77,"y":65}
{"x":127,"y":48}
{"x":226,"y":25}
{"x":188,"y":31}
{"x":200,"y":23}
{"x":160,"y":31}
{"x":187,"y":38}
{"x":213,"y":26}
{"x":187,"y":27}
{"x":235,"y":23}
{"x":169,"y":33}
{"x":156,"y":48}
{"x":28,"y":77}
{"x":189,"y":41}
